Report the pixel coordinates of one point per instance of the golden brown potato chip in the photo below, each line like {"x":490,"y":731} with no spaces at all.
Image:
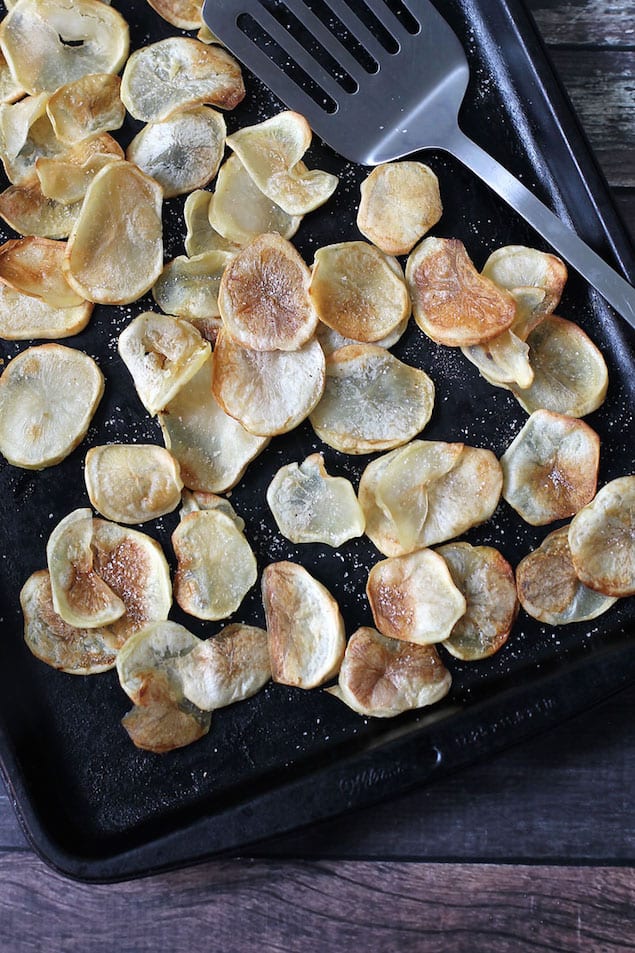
{"x":201,"y":236}
{"x":86,"y":107}
{"x":66,"y":177}
{"x":601,"y":538}
{"x":188,"y":287}
{"x":132,"y":483}
{"x":400,"y":202}
{"x":184,"y":14}
{"x":23,"y":317}
{"x":516,"y":266}
{"x":28,"y":211}
{"x":160,"y":725}
{"x":33,"y":266}
{"x":504,"y":360}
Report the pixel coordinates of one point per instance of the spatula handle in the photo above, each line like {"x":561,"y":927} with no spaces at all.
{"x":618,"y":292}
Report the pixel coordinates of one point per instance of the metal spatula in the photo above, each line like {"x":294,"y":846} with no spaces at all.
{"x":379,"y":80}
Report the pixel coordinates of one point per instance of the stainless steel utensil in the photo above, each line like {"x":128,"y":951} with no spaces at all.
{"x":379,"y":80}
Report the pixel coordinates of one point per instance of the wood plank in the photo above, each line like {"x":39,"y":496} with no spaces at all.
{"x":585,"y":22}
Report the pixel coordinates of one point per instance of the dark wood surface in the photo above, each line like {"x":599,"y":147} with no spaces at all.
{"x":533,"y":849}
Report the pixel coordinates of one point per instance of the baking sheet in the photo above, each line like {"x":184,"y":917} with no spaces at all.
{"x":96,"y":807}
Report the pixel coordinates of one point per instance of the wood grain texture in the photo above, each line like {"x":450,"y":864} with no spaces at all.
{"x":586,"y":23}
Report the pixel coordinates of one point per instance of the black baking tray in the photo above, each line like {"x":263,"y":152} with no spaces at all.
{"x":96,"y":808}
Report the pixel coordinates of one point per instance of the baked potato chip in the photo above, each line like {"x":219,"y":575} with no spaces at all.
{"x":48,"y":395}
{"x":33,"y":266}
{"x":23,"y":317}
{"x":503,"y":361}
{"x":371,"y":401}
{"x":28,"y":211}
{"x":516,"y":266}
{"x":400,"y":202}
{"x":487,"y":581}
{"x":177,"y":73}
{"x":310,"y":506}
{"x":195,"y":500}
{"x":358,"y":291}
{"x":132,"y":483}
{"x":184,"y":14}
{"x":269,"y":392}
{"x":216,"y":567}
{"x":549,"y":589}
{"x":382,"y":677}
{"x":162,"y":354}
{"x":66,"y":177}
{"x":10,"y":89}
{"x":331,"y":340}
{"x":26,"y":135}
{"x":188,"y":287}
{"x":160,"y":725}
{"x":86,"y":107}
{"x":304,"y":624}
{"x":550,"y":468}
{"x":414,"y":598}
{"x":154,"y":650}
{"x":201,"y":236}
{"x":601,"y":538}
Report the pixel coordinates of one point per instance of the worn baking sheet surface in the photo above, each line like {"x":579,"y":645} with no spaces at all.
{"x":97,"y":807}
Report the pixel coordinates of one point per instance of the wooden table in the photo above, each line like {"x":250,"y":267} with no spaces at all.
{"x":534,"y":849}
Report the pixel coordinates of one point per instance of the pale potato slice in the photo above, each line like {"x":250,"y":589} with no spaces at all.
{"x":305,"y":626}
{"x":177,"y":73}
{"x":549,"y":589}
{"x":382,"y":677}
{"x":153,"y":650}
{"x":115,"y":250}
{"x":503,"y":361}
{"x":400,"y":202}
{"x":33,"y":266}
{"x":269,"y":392}
{"x":487,"y":581}
{"x":63,"y":646}
{"x":162,"y":354}
{"x":184,"y":14}
{"x":132,"y":483}
{"x":213,"y":449}
{"x":310,"y":506}
{"x":66,"y":177}
{"x":516,"y":266}
{"x":414,"y":598}
{"x":451,"y":302}
{"x":48,"y":395}
{"x":10,"y":89}
{"x":26,"y":138}
{"x":205,"y":35}
{"x":86,"y":107}
{"x":240,"y":211}
{"x":601,"y":538}
{"x":331,"y":340}
{"x":550,"y":468}
{"x":200,"y":236}
{"x":160,"y":725}
{"x":194,"y":500}
{"x":188,"y":287}
{"x":358,"y":291}
{"x":231,"y":666}
{"x":216,"y":566}
{"x":371,"y":401}
{"x":23,"y":317}
{"x":49,"y":43}
{"x":28,"y":211}
{"x":182,"y":152}
{"x":570,"y":374}
{"x":264,"y":300}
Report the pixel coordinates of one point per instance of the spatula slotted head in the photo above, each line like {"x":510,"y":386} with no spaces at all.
{"x":376,"y":79}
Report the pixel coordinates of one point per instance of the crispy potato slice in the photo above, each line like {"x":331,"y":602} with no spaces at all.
{"x":115,"y":250}
{"x":182,"y":152}
{"x":570,"y":374}
{"x":48,"y":395}
{"x":188,"y":287}
{"x":23,"y":317}
{"x":216,"y":566}
{"x":516,"y":266}
{"x":160,"y":725}
{"x":305,"y":626}
{"x":201,"y":236}
{"x":162,"y":354}
{"x":331,"y":340}
{"x":10,"y":89}
{"x":550,"y":468}
{"x":487,"y":581}
{"x":310,"y":506}
{"x":414,"y":598}
{"x":66,"y":177}
{"x":184,"y":14}
{"x":371,"y":401}
{"x":240,"y":211}
{"x":49,"y":43}
{"x":86,"y":107}
{"x":263,"y":298}
{"x":177,"y":73}
{"x":28,"y":211}
{"x":549,"y":589}
{"x":152,"y":650}
{"x":382,"y":677}
{"x":195,"y":500}
{"x":269,"y":392}
{"x":33,"y":266}
{"x":503,"y":361}
{"x":400,"y":202}
{"x":358,"y":291}
{"x":451,"y":302}
{"x":132,"y":483}
{"x":63,"y":646}
{"x":231,"y":666}
{"x":601,"y":538}
{"x":27,"y":136}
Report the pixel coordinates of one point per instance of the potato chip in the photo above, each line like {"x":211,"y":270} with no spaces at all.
{"x":132,"y":483}
{"x":26,"y":210}
{"x":33,"y":266}
{"x":516,"y":266}
{"x":195,"y":500}
{"x":549,"y":589}
{"x":162,"y":354}
{"x":269,"y":392}
{"x":310,"y":506}
{"x":601,"y":538}
{"x":160,"y":725}
{"x":188,"y":287}
{"x":153,"y":651}
{"x":400,"y":202}
{"x":358,"y":291}
{"x":10,"y":89}
{"x":201,"y":237}
{"x":66,"y":177}
{"x":487,"y":581}
{"x":23,"y":317}
{"x":503,"y":361}
{"x":331,"y":340}
{"x":26,"y":138}
{"x":216,"y":566}
{"x":184,"y":14}
{"x":414,"y":598}
{"x":382,"y":677}
{"x":182,"y":152}
{"x":271,"y":151}
{"x":550,"y":468}
{"x":305,"y":626}
{"x":86,"y":107}
{"x":372,"y":401}
{"x":263,"y":298}
{"x":48,"y":395}
{"x":177,"y":73}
